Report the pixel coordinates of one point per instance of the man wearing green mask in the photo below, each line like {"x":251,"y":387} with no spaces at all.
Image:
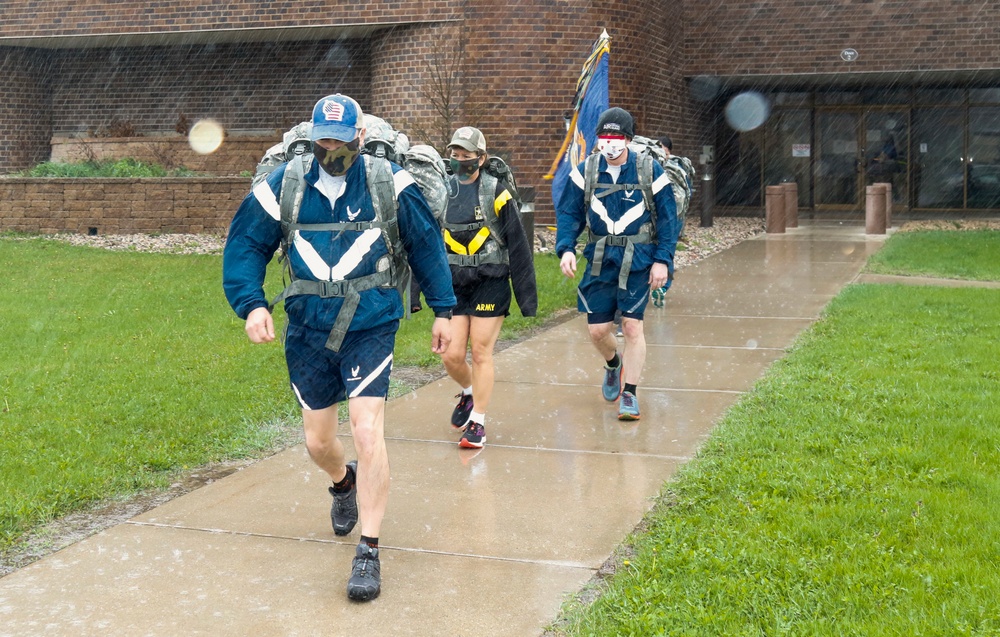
{"x":343,"y":304}
{"x":489,"y":253}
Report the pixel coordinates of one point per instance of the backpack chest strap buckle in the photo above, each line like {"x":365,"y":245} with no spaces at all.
{"x":329,"y":289}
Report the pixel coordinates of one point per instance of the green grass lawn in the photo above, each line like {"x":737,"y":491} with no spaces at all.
{"x":854,"y":491}
{"x":972,"y":254}
{"x":120,"y":369}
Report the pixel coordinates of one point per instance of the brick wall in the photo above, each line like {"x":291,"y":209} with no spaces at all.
{"x":246,"y":87}
{"x":120,"y":206}
{"x":807,"y":36}
{"x":25,"y":119}
{"x":519,"y":64}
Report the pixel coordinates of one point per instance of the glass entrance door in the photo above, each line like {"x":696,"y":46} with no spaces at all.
{"x":858,"y":147}
{"x":886,"y":141}
{"x":836,"y":171}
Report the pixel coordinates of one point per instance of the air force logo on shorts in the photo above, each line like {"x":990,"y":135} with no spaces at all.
{"x":321,"y":377}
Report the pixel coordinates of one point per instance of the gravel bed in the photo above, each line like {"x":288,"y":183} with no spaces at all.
{"x":696,"y":242}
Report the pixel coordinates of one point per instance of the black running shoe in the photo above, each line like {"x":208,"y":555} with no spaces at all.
{"x":474,"y":436}
{"x":460,"y":417}
{"x":344,"y":512}
{"x":366,"y":575}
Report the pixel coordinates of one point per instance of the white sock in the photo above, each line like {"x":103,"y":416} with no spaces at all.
{"x":477,"y":417}
{"x":467,"y":391}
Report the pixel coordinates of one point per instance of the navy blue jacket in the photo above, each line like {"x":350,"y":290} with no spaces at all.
{"x":255,"y":235}
{"x":619,"y":213}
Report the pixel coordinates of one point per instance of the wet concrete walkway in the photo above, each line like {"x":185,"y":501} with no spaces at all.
{"x":486,"y":543}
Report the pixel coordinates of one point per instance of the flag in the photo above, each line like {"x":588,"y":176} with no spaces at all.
{"x":590,"y":101}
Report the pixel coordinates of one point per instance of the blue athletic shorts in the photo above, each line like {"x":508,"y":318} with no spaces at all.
{"x":321,"y":377}
{"x":600,"y":296}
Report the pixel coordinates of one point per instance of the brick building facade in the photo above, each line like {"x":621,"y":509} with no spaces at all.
{"x":919,"y":67}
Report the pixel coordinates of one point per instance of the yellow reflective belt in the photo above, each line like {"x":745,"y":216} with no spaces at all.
{"x":478,"y":240}
{"x":474,"y":245}
{"x":455,"y":246}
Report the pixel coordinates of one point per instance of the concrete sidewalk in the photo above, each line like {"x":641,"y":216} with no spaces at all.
{"x":474,"y":543}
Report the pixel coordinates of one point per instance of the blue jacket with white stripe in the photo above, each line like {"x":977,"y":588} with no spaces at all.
{"x":255,"y":235}
{"x":619,"y":213}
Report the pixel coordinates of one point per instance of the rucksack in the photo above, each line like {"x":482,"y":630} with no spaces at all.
{"x":294,"y":142}
{"x":423,"y":163}
{"x":498,"y":168}
{"x":679,"y":170}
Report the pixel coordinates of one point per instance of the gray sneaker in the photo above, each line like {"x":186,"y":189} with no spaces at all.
{"x":344,"y":511}
{"x":366,"y":575}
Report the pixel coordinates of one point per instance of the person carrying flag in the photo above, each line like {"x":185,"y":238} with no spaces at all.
{"x":629,"y":209}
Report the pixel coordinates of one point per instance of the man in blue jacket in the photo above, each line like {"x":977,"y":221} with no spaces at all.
{"x":343,"y":306}
{"x":626,"y":203}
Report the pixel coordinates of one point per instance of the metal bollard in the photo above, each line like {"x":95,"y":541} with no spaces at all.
{"x":774,"y":202}
{"x":875,"y":209}
{"x":791,"y":204}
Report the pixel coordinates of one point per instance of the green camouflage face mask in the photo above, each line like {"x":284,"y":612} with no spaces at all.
{"x":337,"y":162}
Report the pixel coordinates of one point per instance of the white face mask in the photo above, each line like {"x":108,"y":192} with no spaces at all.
{"x":611,"y":148}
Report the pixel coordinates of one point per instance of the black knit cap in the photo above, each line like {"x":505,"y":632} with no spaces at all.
{"x":616,"y":121}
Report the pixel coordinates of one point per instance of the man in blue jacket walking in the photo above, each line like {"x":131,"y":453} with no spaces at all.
{"x":626,"y":203}
{"x":343,"y":250}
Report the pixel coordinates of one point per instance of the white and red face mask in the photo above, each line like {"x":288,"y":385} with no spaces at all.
{"x":611,"y":146}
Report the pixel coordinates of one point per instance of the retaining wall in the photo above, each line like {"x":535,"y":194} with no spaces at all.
{"x":120,"y":206}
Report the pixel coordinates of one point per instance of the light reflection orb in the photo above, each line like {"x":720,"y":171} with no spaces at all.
{"x":206,"y":136}
{"x":747,"y":111}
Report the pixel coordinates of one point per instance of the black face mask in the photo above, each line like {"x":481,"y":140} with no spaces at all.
{"x":337,"y":162}
{"x":465,"y":169}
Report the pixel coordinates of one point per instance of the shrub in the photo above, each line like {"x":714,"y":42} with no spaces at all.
{"x":125,"y":167}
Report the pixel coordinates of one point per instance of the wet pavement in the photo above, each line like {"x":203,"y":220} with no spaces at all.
{"x":474,"y":543}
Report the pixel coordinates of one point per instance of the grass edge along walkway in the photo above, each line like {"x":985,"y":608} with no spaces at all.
{"x":852,"y":492}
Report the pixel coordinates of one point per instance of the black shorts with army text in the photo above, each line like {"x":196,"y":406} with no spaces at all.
{"x":488,"y":297}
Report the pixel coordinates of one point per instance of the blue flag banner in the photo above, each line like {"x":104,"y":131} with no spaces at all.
{"x":590,"y":101}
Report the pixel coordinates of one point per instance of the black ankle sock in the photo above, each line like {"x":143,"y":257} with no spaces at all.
{"x":630,"y":388}
{"x":372,"y":542}
{"x":346,"y":484}
{"x":614,"y":362}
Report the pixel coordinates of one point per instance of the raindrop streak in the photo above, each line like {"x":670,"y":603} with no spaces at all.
{"x":747,"y":111}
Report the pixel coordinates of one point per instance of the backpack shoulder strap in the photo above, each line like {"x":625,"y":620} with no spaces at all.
{"x":590,"y":178}
{"x":487,"y":203}
{"x":644,"y":167}
{"x":382,"y":188}
{"x":292,"y":189}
